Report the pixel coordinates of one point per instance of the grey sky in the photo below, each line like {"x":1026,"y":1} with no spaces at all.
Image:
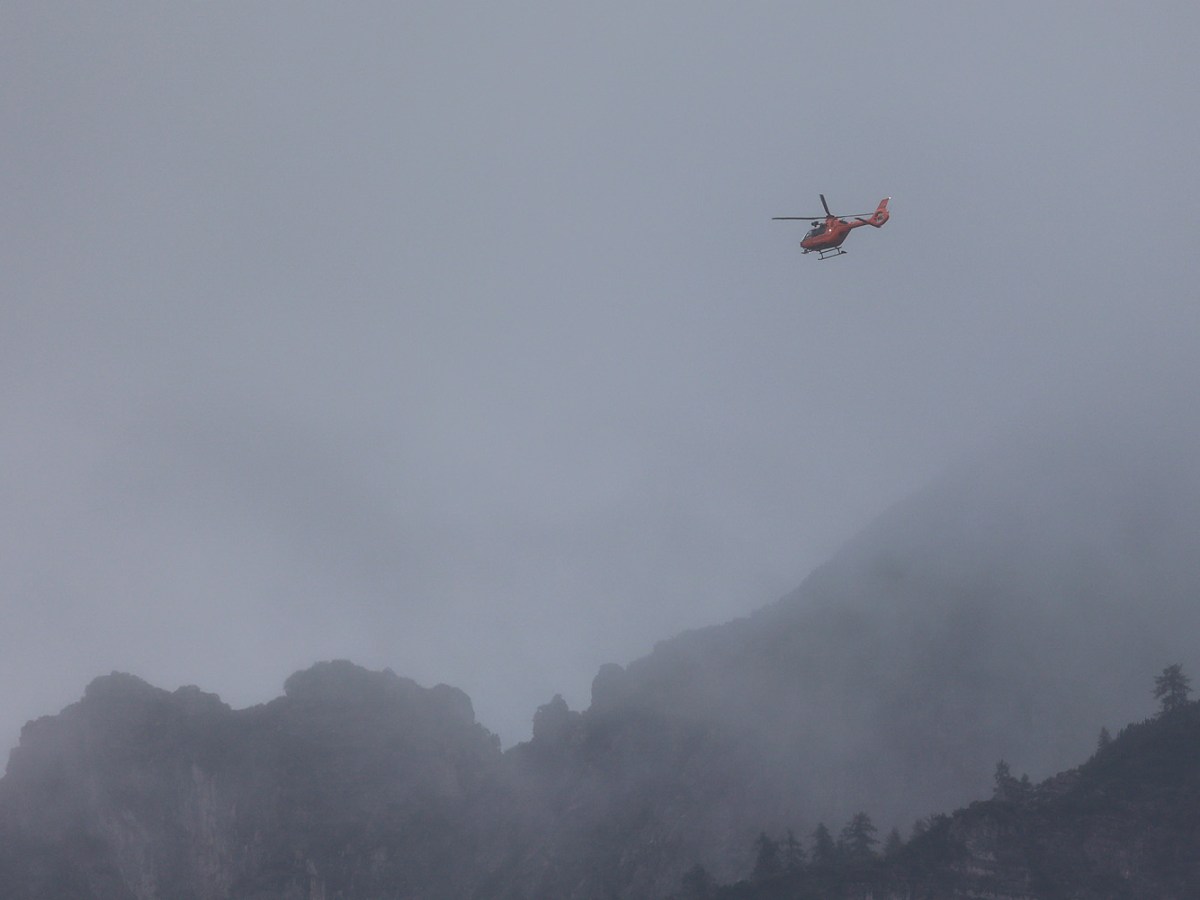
{"x":457,"y":338}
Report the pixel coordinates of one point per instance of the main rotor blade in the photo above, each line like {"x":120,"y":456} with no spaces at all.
{"x":826,"y":205}
{"x":796,"y":218}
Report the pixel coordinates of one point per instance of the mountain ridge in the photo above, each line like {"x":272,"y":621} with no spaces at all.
{"x":1007,"y":612}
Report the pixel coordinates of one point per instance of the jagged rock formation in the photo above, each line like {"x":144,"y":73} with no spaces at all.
{"x":352,"y":784}
{"x":620,"y":790}
{"x":361,"y":785}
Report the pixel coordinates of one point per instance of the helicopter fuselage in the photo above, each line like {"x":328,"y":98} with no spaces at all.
{"x":829,"y":235}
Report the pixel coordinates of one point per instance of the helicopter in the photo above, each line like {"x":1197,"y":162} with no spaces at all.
{"x":829,"y":231}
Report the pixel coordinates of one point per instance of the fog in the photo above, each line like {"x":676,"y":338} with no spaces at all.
{"x":459,"y":339}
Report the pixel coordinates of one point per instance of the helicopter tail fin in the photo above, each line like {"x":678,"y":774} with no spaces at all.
{"x":881,"y":214}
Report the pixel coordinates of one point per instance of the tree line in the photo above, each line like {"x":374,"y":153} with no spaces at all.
{"x":857,"y":845}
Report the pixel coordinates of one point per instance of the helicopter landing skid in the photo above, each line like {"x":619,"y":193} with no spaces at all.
{"x":827,"y":252}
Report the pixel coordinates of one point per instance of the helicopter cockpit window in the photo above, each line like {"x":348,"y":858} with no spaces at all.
{"x":818,"y":228}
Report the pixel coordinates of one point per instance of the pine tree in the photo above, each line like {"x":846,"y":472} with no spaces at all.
{"x":793,"y":853}
{"x":824,"y":851}
{"x":1006,"y":787}
{"x":1171,"y":688}
{"x":857,"y":840}
{"x":766,"y":861}
{"x":1104,"y":740}
{"x":893,"y":844}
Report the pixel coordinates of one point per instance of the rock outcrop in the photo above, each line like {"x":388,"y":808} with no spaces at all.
{"x":354,"y":783}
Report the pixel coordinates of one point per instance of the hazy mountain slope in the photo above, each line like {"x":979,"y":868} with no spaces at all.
{"x":1125,"y":824}
{"x":1009,"y":611}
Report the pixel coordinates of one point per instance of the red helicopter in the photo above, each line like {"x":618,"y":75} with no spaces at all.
{"x":828,"y":231}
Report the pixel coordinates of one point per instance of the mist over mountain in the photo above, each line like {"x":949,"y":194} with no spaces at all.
{"x":1009,"y":611}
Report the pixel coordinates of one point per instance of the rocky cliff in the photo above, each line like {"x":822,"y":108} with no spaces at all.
{"x":352,"y":784}
{"x":359,"y":784}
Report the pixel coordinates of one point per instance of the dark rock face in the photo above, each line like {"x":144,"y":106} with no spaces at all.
{"x":620,"y":791}
{"x":353,"y":784}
